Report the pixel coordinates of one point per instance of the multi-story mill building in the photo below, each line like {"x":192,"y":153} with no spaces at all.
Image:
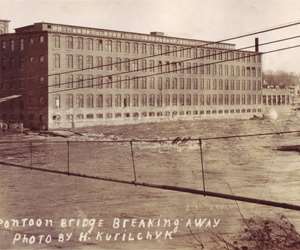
{"x":70,"y":76}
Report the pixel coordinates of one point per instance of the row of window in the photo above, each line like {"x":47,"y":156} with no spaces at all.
{"x":12,"y":63}
{"x":14,"y":44}
{"x":118,"y":46}
{"x":160,"y":83}
{"x":71,"y":117}
{"x":152,"y":100}
{"x":276,"y":99}
{"x":118,"y":64}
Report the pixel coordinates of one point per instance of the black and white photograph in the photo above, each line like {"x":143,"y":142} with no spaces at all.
{"x":150,"y":124}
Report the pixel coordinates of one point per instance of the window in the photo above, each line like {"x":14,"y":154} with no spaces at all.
{"x":220,"y":99}
{"x":167,"y":100}
{"x":56,"y":61}
{"x":118,"y":46}
{"x":151,"y":66}
{"x":188,"y":100}
{"x":69,"y":101}
{"x":195,"y":99}
{"x":151,"y":100}
{"x":174,"y":83}
{"x":109,"y":63}
{"x":57,"y":81}
{"x":181,"y":99}
{"x":208,"y":99}
{"x":214,"y":99}
{"x":42,"y":39}
{"x":79,"y":43}
{"x":109,"y":45}
{"x":135,"y":100}
{"x":174,"y":100}
{"x":100,"y":82}
{"x":118,"y":64}
{"x":108,"y":100}
{"x":70,"y":61}
{"x":99,"y":101}
{"x":90,"y":101}
{"x":57,"y":42}
{"x":167,"y":83}
{"x":181,"y":83}
{"x":226,"y":101}
{"x":22,"y":44}
{"x":127,"y":47}
{"x":135,"y":82}
{"x":127,"y":82}
{"x":136,"y":48}
{"x":80,"y":81}
{"x":159,"y":49}
{"x":12,"y":45}
{"x":159,"y":100}
{"x":126,"y":101}
{"x":144,"y":83}
{"x":89,"y":44}
{"x":232,"y":99}
{"x":152,"y":83}
{"x":89,"y":62}
{"x":144,"y":48}
{"x":42,"y":79}
{"x":99,"y":62}
{"x":159,"y":83}
{"x":215,"y":84}
{"x":70,"y":81}
{"x":201,"y":97}
{"x":69,"y":42}
{"x":188,"y":83}
{"x":151,"y":49}
{"x":80,"y":62}
{"x":90,"y":116}
{"x":3,"y":45}
{"x":80,"y":101}
{"x":118,"y":100}
{"x":89,"y":81}
{"x":99,"y":44}
{"x":144,"y":100}
{"x":57,"y":101}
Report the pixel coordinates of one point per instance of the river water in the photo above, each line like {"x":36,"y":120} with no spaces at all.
{"x":249,"y":166}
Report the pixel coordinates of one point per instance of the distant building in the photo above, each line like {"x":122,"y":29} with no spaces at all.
{"x":275,"y":95}
{"x":31,"y":57}
{"x":4,"y":24}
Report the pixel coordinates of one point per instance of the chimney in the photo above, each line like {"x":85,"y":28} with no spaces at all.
{"x":4,"y":26}
{"x":157,"y":33}
{"x":256,"y":44}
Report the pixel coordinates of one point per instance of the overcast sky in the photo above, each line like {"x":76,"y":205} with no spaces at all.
{"x":199,"y":19}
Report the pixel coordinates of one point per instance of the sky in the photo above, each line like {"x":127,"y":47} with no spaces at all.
{"x":199,"y":19}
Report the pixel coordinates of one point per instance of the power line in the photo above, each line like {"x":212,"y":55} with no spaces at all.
{"x":168,"y":64}
{"x":170,"y":71}
{"x":278,"y":27}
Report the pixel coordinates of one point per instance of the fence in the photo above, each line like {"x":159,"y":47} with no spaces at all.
{"x":195,"y":165}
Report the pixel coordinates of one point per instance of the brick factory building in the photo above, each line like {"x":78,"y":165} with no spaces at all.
{"x":93,"y":89}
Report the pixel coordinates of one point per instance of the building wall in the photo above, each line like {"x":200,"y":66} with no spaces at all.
{"x":199,"y":92}
{"x":24,"y":72}
{"x":102,"y":95}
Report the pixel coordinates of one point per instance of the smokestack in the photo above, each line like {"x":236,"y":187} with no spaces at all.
{"x":256,"y":44}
